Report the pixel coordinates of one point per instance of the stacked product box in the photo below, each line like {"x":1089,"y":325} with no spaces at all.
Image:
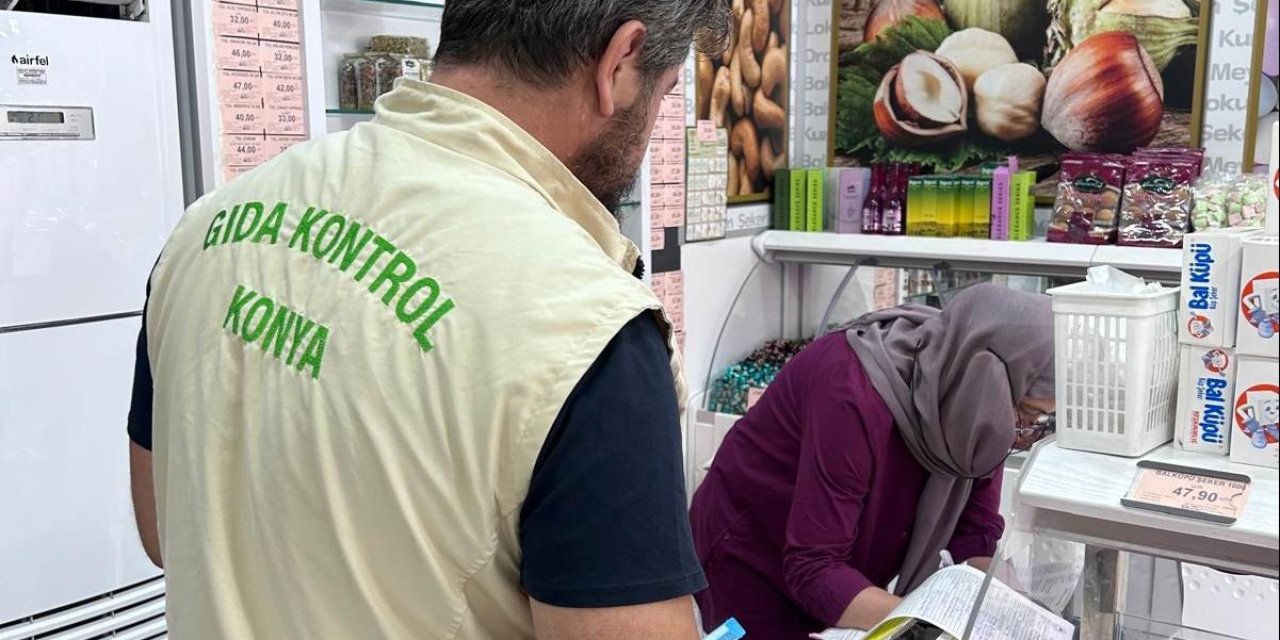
{"x":1256,"y":410}
{"x":847,"y":188}
{"x":790,"y":199}
{"x":815,"y":209}
{"x":1211,"y":265}
{"x":949,"y":206}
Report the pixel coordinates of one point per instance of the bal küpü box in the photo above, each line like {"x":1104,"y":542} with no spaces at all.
{"x":1256,"y":413}
{"x":1210,"y":274}
{"x":1206,"y":394}
{"x":1259,"y":295}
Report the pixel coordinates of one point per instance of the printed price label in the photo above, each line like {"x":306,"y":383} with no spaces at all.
{"x":706,"y":131}
{"x":672,"y":107}
{"x":283,"y":91}
{"x":232,"y":172}
{"x":675,"y":216}
{"x":276,"y":145}
{"x":239,"y":86}
{"x":243,"y":117}
{"x":673,"y":152}
{"x":237,"y":53}
{"x":292,"y":5}
{"x":279,"y":24}
{"x":753,"y":396}
{"x":657,"y":239}
{"x":282,"y":58}
{"x":673,"y":173}
{"x":243,"y":150}
{"x":658,"y":282}
{"x":286,"y":121}
{"x":671,"y":128}
{"x":1194,"y":493}
{"x":235,"y":20}
{"x":656,"y":172}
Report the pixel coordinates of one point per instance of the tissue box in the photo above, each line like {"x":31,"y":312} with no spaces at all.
{"x":1257,"y":413}
{"x":1206,"y":394}
{"x":1210,"y":287}
{"x":1258,"y":319}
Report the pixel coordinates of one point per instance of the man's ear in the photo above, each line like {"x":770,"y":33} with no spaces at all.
{"x":617,"y":76}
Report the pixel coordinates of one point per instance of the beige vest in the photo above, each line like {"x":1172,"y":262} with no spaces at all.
{"x":358,"y":350}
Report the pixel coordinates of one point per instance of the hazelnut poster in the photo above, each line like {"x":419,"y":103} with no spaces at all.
{"x":744,"y":89}
{"x":953,"y":83}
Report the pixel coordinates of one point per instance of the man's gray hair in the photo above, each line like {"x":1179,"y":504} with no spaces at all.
{"x":543,"y":42}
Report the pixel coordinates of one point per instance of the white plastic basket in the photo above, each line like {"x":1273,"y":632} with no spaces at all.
{"x":1116,"y":368}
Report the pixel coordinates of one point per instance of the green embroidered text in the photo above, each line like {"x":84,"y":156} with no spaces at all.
{"x":349,"y":246}
{"x":281,"y":332}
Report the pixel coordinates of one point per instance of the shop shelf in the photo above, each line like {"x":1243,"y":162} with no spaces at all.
{"x":1033,"y":258}
{"x":419,"y":9}
{"x":349,"y":113}
{"x":1076,"y":495}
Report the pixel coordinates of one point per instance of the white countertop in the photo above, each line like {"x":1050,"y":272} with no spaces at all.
{"x":1076,"y":494}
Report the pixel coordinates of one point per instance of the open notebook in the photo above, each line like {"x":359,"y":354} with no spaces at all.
{"x":946,"y":601}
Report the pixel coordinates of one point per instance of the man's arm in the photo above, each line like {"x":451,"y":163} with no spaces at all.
{"x":144,"y":501}
{"x":604,"y":531}
{"x":141,"y":484}
{"x":667,"y":620}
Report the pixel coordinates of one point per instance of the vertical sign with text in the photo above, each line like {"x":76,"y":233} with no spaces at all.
{"x":1226,"y":89}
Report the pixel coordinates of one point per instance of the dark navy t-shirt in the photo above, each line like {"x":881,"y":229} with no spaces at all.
{"x":605,"y":521}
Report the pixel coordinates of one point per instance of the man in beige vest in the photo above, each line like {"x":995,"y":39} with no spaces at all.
{"x":404,"y":382}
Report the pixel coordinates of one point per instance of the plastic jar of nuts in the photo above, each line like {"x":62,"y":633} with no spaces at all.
{"x":404,"y":45}
{"x":349,"y":81}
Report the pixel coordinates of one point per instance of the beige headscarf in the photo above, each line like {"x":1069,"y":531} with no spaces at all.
{"x":952,"y":380}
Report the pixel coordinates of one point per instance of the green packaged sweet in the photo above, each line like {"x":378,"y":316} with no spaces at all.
{"x":1222,"y":201}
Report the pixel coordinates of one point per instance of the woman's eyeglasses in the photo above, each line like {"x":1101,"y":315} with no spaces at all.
{"x":1027,"y":435}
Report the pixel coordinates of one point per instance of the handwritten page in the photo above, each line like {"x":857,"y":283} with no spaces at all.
{"x":947,"y":598}
{"x":946,"y":601}
{"x":886,"y":631}
{"x":835,"y":633}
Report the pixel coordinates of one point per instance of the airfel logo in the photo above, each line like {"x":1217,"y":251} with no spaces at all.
{"x":30,"y":61}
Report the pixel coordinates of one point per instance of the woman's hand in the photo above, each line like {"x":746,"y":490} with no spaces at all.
{"x":981,"y":564}
{"x":868,"y":609}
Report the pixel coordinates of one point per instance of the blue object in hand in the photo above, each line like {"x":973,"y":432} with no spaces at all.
{"x":730,"y":630}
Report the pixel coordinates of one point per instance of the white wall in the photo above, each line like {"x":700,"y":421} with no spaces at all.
{"x":713,"y":274}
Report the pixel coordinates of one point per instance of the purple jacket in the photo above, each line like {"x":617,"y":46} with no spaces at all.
{"x":811,"y":499}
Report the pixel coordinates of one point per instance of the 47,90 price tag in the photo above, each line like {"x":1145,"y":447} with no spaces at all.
{"x":1200,"y":494}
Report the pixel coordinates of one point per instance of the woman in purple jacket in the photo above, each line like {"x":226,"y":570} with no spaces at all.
{"x":875,"y":449}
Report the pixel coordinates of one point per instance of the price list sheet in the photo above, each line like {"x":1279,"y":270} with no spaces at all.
{"x":260,"y":87}
{"x":667,"y":170}
{"x":669,"y":287}
{"x":707,"y":208}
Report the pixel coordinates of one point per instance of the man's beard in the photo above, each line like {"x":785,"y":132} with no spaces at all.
{"x":605,"y":166}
